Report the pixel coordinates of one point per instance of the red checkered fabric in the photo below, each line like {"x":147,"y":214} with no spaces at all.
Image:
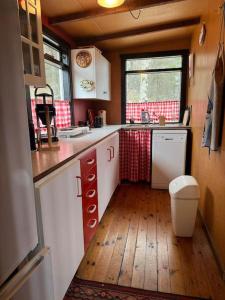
{"x":63,"y":114}
{"x":135,"y":155}
{"x":170,"y":109}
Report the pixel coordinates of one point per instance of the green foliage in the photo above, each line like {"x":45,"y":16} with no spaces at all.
{"x":154,"y":86}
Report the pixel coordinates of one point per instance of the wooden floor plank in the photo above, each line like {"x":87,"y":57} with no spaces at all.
{"x":87,"y":266}
{"x":135,"y":246}
{"x":114,"y":267}
{"x":126,"y":272}
{"x":210,"y":271}
{"x":150,"y":281}
{"x":107,"y":246}
{"x":177,"y":282}
{"x":140,"y":252}
{"x":162,"y":247}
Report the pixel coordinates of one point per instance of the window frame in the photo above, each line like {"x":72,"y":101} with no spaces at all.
{"x":184,"y":53}
{"x":63,"y":48}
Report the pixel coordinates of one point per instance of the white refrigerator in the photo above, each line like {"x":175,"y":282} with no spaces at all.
{"x":23,"y":269}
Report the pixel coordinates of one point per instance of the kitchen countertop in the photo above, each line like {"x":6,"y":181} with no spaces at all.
{"x":44,"y":162}
{"x":151,"y":126}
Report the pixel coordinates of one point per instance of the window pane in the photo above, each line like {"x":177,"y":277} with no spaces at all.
{"x":54,"y":53}
{"x":26,"y":58}
{"x":65,"y":59}
{"x":151,"y":87}
{"x":66,"y":84}
{"x":23,"y":18}
{"x":50,"y":40}
{"x":154,"y":63}
{"x":33,"y":23}
{"x":54,"y":79}
{"x":36,"y":60}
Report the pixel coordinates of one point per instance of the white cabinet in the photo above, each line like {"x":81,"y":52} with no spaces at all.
{"x":32,"y":42}
{"x":91,"y":74}
{"x":108,"y":170}
{"x":60,"y":217}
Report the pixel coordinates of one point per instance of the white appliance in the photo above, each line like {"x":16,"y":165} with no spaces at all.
{"x":33,"y":281}
{"x":168,"y":156}
{"x":18,"y":224}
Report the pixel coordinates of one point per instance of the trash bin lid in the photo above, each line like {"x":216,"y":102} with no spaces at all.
{"x":184,"y":187}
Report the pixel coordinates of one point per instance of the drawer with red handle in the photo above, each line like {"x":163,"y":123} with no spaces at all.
{"x":89,"y":196}
{"x":88,"y":161}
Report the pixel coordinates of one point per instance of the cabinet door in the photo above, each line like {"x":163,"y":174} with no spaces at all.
{"x":61,"y":218}
{"x":108,"y":171}
{"x":83,"y":74}
{"x":102,"y":77}
{"x":114,"y":166}
{"x":103,"y":171}
{"x":32,"y":42}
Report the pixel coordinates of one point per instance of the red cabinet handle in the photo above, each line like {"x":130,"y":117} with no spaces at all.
{"x":91,"y":209}
{"x":92,"y":223}
{"x":79,"y":194}
{"x":91,"y":193}
{"x":91,"y":161}
{"x":113,"y":150}
{"x":91,"y":177}
{"x":110,"y":157}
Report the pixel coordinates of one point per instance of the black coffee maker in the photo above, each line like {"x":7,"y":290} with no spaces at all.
{"x":40,"y":109}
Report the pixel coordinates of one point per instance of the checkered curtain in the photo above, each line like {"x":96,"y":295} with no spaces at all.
{"x":63,"y":115}
{"x":170,"y":109}
{"x":135,"y":155}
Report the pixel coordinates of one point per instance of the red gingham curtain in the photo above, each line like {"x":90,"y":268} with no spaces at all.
{"x":63,"y":115}
{"x":135,"y":155}
{"x":170,"y":109}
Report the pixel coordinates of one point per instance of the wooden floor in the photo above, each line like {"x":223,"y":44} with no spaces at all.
{"x":135,"y":246}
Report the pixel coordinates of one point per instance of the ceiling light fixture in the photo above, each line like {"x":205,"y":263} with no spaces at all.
{"x":110,"y":3}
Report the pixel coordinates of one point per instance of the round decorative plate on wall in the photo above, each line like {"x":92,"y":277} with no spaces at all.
{"x":83,"y":58}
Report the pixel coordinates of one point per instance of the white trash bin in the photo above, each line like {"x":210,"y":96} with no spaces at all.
{"x":185,"y":194}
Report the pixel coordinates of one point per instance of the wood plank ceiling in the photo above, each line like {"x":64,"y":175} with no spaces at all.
{"x":107,"y":29}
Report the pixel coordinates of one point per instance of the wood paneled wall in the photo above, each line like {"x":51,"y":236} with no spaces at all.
{"x":208,"y":169}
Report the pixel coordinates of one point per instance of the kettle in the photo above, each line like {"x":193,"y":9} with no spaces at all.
{"x":145,"y":116}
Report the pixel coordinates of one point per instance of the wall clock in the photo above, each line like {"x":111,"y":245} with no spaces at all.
{"x":202,"y":35}
{"x":83,"y":59}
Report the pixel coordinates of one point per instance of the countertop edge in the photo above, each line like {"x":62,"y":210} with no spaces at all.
{"x":63,"y":162}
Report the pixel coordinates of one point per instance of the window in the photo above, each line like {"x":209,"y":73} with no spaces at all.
{"x":155,"y":83}
{"x":57,"y":69}
{"x":57,"y":72}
